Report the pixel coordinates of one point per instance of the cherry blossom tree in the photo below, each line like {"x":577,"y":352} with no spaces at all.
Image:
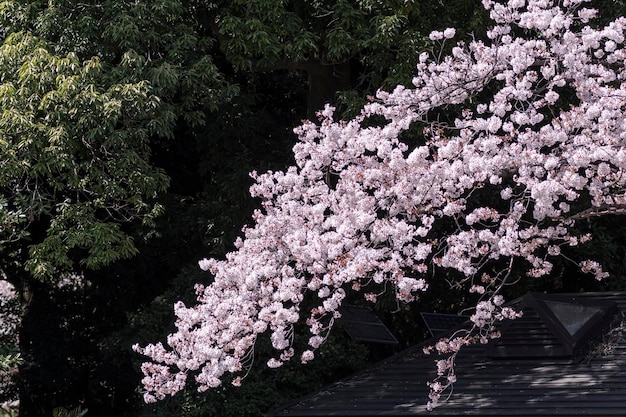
{"x":532,"y":115}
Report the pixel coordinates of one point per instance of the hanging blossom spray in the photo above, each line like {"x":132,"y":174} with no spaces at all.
{"x":537,"y":112}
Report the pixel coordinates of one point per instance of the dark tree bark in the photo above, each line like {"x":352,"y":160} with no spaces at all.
{"x":51,"y":374}
{"x":325,"y":80}
{"x":35,"y":326}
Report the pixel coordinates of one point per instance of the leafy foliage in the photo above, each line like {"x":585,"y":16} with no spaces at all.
{"x":75,"y":159}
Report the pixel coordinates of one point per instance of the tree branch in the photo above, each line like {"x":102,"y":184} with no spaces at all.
{"x":603,"y":210}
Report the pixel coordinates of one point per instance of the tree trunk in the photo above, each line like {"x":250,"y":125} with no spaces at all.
{"x":43,"y":376}
{"x":325,"y":80}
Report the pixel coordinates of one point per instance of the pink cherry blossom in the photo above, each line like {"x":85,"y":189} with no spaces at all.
{"x":364,"y":205}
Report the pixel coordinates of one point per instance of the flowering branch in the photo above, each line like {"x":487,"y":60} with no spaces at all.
{"x":538,"y":124}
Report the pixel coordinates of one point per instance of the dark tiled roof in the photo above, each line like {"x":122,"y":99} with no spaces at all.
{"x":594,"y":384}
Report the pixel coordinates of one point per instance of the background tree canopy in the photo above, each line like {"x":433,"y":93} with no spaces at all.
{"x":127,"y":132}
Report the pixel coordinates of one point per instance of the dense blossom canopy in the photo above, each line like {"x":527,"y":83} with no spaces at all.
{"x":534,"y":111}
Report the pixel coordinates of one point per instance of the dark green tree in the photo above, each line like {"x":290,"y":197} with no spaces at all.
{"x":341,"y":46}
{"x":75,"y":170}
{"x":114,"y":98}
{"x":101,"y":91}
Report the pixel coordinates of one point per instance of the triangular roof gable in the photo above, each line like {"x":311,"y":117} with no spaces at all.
{"x":552,"y":326}
{"x":362,"y":325}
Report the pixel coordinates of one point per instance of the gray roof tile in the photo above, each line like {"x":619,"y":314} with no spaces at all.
{"x":592,"y":385}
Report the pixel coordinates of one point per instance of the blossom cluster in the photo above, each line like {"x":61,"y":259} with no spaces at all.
{"x":536,"y":112}
{"x":487,"y":313}
{"x":9,"y":318}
